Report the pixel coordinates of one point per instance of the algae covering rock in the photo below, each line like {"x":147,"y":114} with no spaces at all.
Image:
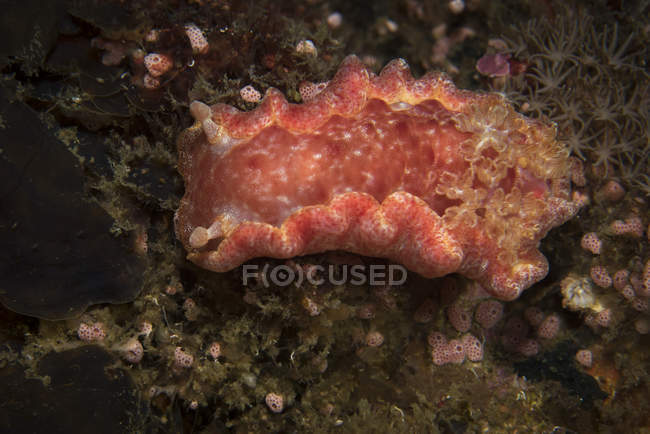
{"x":58,"y":254}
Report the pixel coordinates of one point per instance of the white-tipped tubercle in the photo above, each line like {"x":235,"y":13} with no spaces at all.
{"x":214,"y":132}
{"x":200,"y":111}
{"x":201,"y":236}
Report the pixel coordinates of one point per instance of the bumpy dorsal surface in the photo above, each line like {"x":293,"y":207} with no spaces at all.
{"x":438,"y":179}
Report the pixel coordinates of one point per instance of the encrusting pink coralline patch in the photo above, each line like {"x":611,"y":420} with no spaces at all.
{"x":439,"y":179}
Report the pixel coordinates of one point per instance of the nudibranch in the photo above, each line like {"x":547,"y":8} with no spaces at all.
{"x":439,"y":179}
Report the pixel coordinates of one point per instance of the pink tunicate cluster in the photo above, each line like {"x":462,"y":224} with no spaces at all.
{"x":642,"y":326}
{"x":612,"y":191}
{"x":600,"y":276}
{"x":494,"y":65}
{"x":215,"y":350}
{"x":580,"y":198}
{"x":132,"y":351}
{"x":634,"y":226}
{"x":145,"y":328}
{"x":604,"y":318}
{"x":515,"y":335}
{"x":585,"y":358}
{"x":197,"y":39}
{"x":645,"y":280}
{"x":182,"y":359}
{"x":473,"y":348}
{"x":190,"y":309}
{"x":459,"y":317}
{"x":91,"y":332}
{"x":577,"y":172}
{"x":150,"y":82}
{"x":250,"y":94}
{"x":631,"y":226}
{"x":374,"y":339}
{"x":628,"y":292}
{"x":488,"y":313}
{"x":591,"y":242}
{"x":440,"y":353}
{"x":640,"y":304}
{"x":620,"y":279}
{"x":436,"y":339}
{"x":618,"y":227}
{"x":309,"y":90}
{"x":157,"y":64}
{"x":274,"y":402}
{"x":455,"y":350}
{"x":152,"y":36}
{"x":549,"y":328}
{"x":173,"y":288}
